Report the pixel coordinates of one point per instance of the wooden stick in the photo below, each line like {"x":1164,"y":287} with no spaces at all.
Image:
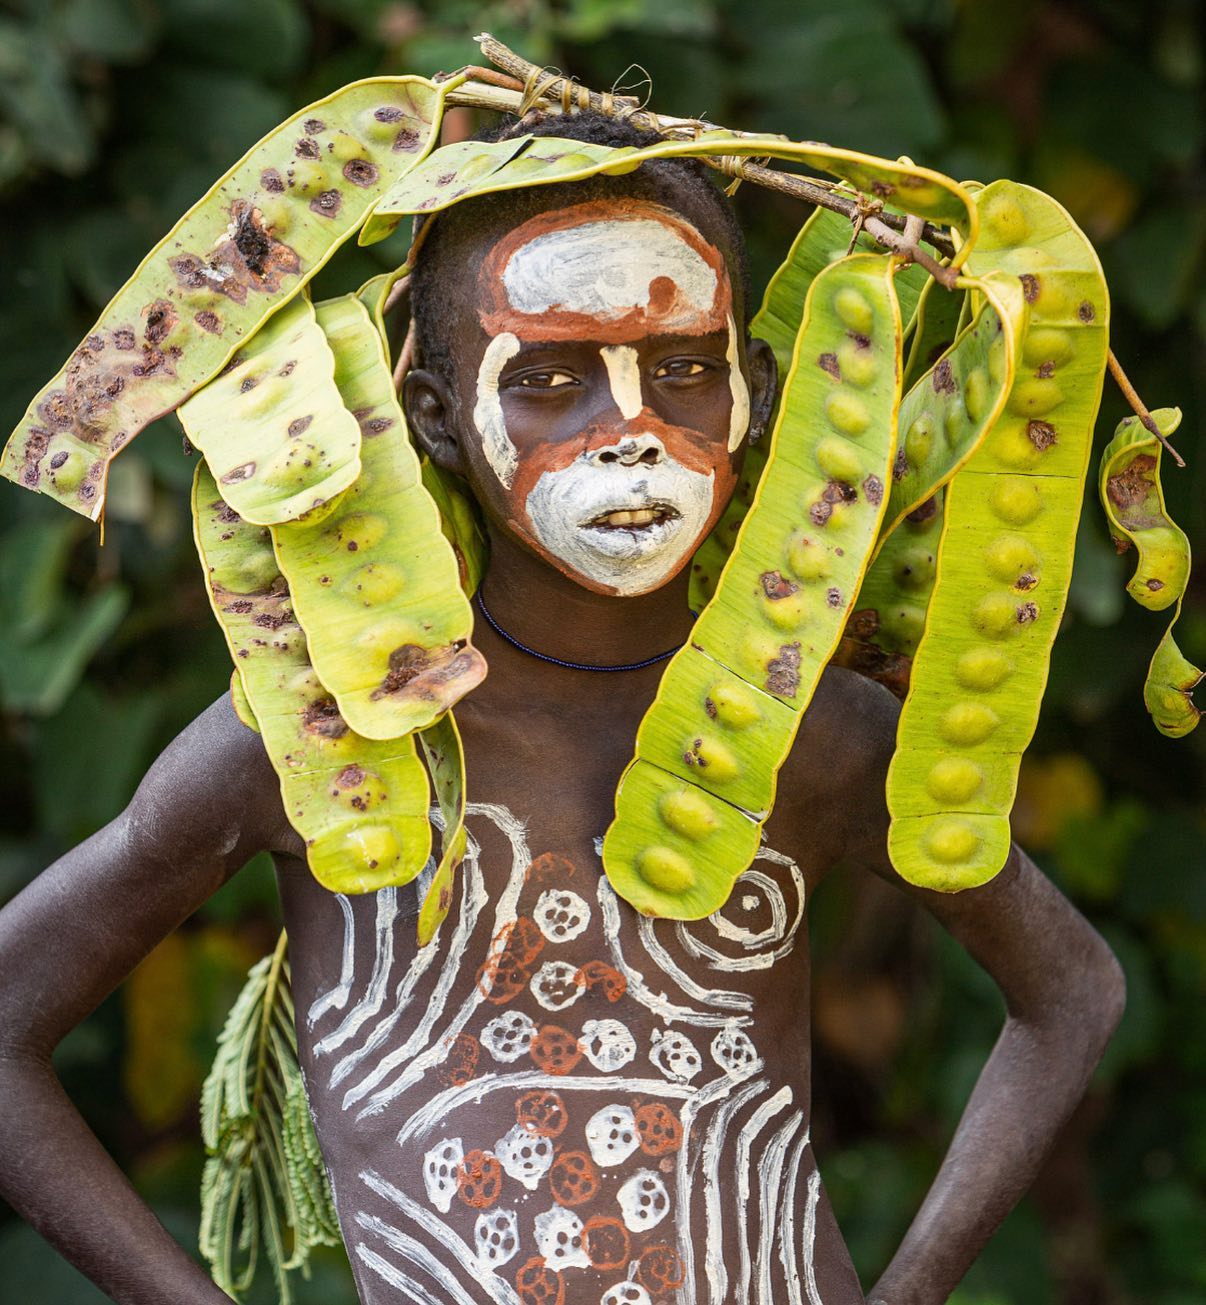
{"x":1140,"y":409}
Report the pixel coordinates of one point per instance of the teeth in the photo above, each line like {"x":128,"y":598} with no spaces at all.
{"x":637,"y":517}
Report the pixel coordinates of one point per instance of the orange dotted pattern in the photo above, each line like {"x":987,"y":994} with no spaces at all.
{"x":479,"y":1180}
{"x":555,"y":1050}
{"x":461,"y":1064}
{"x":542,"y":1113}
{"x":658,"y":1128}
{"x":606,"y":1241}
{"x":573,"y":1178}
{"x":537,"y":1284}
{"x":550,"y":868}
{"x":606,"y":978}
{"x":506,"y":973}
{"x":660,"y":1269}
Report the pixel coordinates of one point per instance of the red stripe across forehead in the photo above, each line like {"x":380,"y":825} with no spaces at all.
{"x":668,"y":311}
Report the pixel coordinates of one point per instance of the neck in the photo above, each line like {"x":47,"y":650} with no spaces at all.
{"x":544,"y":609}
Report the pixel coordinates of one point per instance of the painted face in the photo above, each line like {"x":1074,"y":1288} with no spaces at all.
{"x":610,"y":402}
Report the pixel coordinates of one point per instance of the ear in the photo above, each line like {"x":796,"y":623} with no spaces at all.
{"x":427,"y":402}
{"x":764,"y":385}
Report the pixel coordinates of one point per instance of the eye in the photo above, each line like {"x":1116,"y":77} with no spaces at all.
{"x":547,"y":380}
{"x":680,"y":368}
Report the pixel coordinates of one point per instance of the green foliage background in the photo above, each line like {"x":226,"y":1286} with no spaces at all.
{"x":115,"y":115}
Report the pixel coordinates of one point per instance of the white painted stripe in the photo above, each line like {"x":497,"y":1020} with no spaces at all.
{"x":504,"y":914}
{"x":425,"y":1119}
{"x":637,"y":987}
{"x":770,"y":1179}
{"x":336,"y":998}
{"x":487,"y":411}
{"x":624,"y":373}
{"x":789,"y":1250}
{"x":383,"y":962}
{"x":810,"y":1237}
{"x":665,"y":962}
{"x":714,"y":1257}
{"x":739,"y":414}
{"x":418,"y":1254}
{"x":395,"y":1277}
{"x":498,"y":1288}
{"x":745,"y":1142}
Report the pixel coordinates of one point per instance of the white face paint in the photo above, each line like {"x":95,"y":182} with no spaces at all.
{"x":624,"y":373}
{"x":487,"y":411}
{"x":563,"y":505}
{"x":739,"y":417}
{"x":607,"y":268}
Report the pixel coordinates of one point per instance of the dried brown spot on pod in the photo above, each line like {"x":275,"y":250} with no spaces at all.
{"x":1131,"y":486}
{"x":57,"y":461}
{"x":873,"y":488}
{"x":1041,"y":434}
{"x":923,"y":512}
{"x":943,"y":378}
{"x":863,"y":623}
{"x":1025,"y":582}
{"x":1027,"y":612}
{"x":1046,"y":371}
{"x":406,"y":140}
{"x":322,"y":717}
{"x":326,"y":203}
{"x":1086,"y":312}
{"x":1153,"y":584}
{"x":312,"y":126}
{"x":783,"y":672}
{"x":208,"y":321}
{"x":900,"y":467}
{"x":828,"y":362}
{"x":161,"y":317}
{"x":350,"y":777}
{"x":306,"y":149}
{"x":833,"y":596}
{"x":1030,"y":287}
{"x":123,"y":338}
{"x":360,"y":172}
{"x":272,"y":181}
{"x":776,"y":586}
{"x":820,"y":512}
{"x":300,"y":424}
{"x":243,"y":472}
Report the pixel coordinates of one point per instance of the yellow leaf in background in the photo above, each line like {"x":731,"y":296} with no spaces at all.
{"x":1100,"y":198}
{"x":1052,"y":791}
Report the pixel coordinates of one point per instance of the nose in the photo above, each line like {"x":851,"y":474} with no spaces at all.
{"x":631,"y":451}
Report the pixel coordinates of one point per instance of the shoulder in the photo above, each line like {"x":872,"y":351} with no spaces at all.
{"x":212,"y":788}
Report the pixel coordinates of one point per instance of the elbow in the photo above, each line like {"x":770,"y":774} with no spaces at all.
{"x":1111,"y":993}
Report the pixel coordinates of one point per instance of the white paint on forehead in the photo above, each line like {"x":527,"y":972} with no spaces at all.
{"x":605,"y":269}
{"x":624,"y":373}
{"x":739,"y":414}
{"x":487,"y":411}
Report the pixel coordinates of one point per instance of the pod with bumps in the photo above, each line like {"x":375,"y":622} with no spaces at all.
{"x":730,"y":702}
{"x":360,"y":805}
{"x":469,"y":169}
{"x":446,"y":761}
{"x":1133,"y":499}
{"x":1005,"y":558}
{"x":238,"y":255}
{"x":273,"y":427}
{"x":375,"y":584}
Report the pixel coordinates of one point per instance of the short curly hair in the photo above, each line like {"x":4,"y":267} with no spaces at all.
{"x":684,"y":185}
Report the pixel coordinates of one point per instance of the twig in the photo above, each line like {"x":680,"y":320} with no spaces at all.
{"x":551,"y":88}
{"x":1140,"y":408}
{"x":406,"y":356}
{"x":399,"y":288}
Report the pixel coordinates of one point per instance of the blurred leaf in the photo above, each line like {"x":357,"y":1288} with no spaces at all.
{"x":1100,"y":196}
{"x":1053,"y":790}
{"x":37,"y":96}
{"x":267,"y":38}
{"x":1156,"y":265}
{"x":1093,"y":847}
{"x":118,"y":31}
{"x":33,"y":561}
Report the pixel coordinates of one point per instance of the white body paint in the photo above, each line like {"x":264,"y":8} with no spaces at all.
{"x":744,"y":1157}
{"x":561,"y":504}
{"x":605,"y":269}
{"x":624,"y":372}
{"x":487,"y":411}
{"x":555,"y":985}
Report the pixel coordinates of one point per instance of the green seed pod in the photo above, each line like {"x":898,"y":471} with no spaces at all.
{"x":446,"y":761}
{"x":360,"y":805}
{"x":730,"y":702}
{"x":935,"y":326}
{"x":824,"y":238}
{"x":472,"y":168}
{"x":1133,"y":499}
{"x":236,"y":256}
{"x":946,"y":413}
{"x":238,"y":700}
{"x":1005,"y":558}
{"x":274,"y":428}
{"x":375,"y":584}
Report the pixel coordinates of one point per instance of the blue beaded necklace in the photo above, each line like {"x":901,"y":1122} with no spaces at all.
{"x":558,"y":661}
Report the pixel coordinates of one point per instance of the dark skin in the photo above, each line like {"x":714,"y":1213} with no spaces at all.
{"x":79,"y":929}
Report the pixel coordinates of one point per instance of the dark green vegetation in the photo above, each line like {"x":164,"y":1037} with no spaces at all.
{"x":116,"y":115}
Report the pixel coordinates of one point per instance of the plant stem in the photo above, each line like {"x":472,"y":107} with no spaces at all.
{"x":1139,"y":408}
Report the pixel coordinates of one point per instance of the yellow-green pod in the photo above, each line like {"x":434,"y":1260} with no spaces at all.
{"x":239,"y":254}
{"x":1133,"y":498}
{"x":824,"y":238}
{"x":238,"y":700}
{"x":1005,"y":557}
{"x":469,"y":169}
{"x":361,"y":806}
{"x":375,"y":584}
{"x":935,"y":325}
{"x":730,"y":702}
{"x":446,"y":761}
{"x":882,"y":632}
{"x":948,"y":410}
{"x":273,"y":427}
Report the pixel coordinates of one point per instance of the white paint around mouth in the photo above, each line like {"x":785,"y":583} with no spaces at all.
{"x":487,"y":411}
{"x":625,"y":560}
{"x":739,"y":415}
{"x":624,"y":373}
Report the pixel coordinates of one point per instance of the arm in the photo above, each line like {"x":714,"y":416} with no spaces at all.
{"x":207,"y":805}
{"x":1064,"y":993}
